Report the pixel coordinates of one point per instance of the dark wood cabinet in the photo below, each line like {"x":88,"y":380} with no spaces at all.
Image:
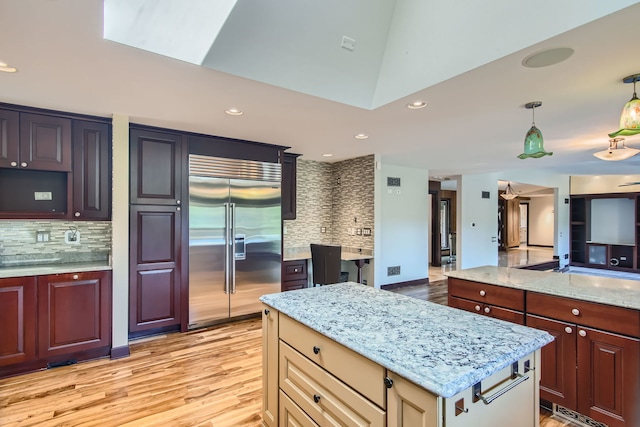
{"x":18,"y":320}
{"x":9,"y":138}
{"x":156,"y":167}
{"x":289,"y":185}
{"x":155,"y":268}
{"x":74,"y":313}
{"x":294,"y":275}
{"x":91,"y":170}
{"x":488,"y":300}
{"x":45,"y":142}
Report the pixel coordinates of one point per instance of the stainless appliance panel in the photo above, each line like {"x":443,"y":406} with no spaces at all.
{"x":257,"y":243}
{"x":208,"y":296}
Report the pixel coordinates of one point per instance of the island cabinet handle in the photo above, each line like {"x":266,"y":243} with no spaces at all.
{"x":575,"y":312}
{"x":478,"y":308}
{"x":316,"y":398}
{"x":482,"y":293}
{"x":477,"y":393}
{"x":582,"y":333}
{"x":568,"y":330}
{"x":388,"y":382}
{"x":316,"y":349}
{"x":266,"y":311}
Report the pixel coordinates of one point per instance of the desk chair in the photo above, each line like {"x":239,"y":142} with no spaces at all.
{"x":326,"y":262}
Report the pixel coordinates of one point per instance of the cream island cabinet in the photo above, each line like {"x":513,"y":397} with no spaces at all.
{"x":351,"y":355}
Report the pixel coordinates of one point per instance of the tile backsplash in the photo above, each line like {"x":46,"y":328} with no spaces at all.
{"x":18,"y":239}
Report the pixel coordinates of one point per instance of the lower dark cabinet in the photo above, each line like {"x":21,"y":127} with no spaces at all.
{"x":17,"y":320}
{"x":294,"y":275}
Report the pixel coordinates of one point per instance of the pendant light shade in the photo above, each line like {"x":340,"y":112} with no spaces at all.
{"x":533,"y":142}
{"x":630,"y":117}
{"x":509,"y":194}
{"x":616,"y":152}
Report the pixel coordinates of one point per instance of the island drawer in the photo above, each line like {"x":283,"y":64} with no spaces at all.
{"x":322,"y":396}
{"x":606,"y":317}
{"x":292,"y":415}
{"x":489,"y":294}
{"x":360,"y":373}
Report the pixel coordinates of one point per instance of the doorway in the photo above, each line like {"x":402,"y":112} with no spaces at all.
{"x":524,"y":224}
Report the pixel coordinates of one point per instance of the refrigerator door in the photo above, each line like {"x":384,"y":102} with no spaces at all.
{"x":257,"y":243}
{"x":208,"y":233}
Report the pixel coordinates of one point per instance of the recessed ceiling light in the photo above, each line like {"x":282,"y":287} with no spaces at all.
{"x":7,"y":68}
{"x":416,"y":105}
{"x":234,"y":112}
{"x":327,"y":155}
{"x":361,"y":136}
{"x":547,"y":57}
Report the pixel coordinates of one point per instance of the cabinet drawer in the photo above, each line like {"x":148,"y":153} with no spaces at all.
{"x":291,"y":415}
{"x":360,"y":373}
{"x":292,"y":285}
{"x":294,"y":270}
{"x":488,"y":310}
{"x":322,"y":396}
{"x":489,"y":294}
{"x":609,"y":318}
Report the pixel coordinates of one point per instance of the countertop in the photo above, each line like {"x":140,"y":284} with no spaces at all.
{"x":604,"y":290}
{"x":441,"y":349}
{"x":44,"y":269}
{"x":296,"y":254}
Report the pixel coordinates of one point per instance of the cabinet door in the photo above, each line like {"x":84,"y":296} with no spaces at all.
{"x":608,"y":377}
{"x":18,"y":320}
{"x":9,"y":131}
{"x":154,"y":282}
{"x":74,"y":313}
{"x":558,"y":371}
{"x":156,"y":167}
{"x":409,"y":405}
{"x":91,"y":170}
{"x":45,"y":142}
{"x":289,"y":191}
{"x":269,"y":367}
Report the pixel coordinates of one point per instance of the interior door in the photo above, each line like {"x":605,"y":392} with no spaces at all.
{"x":208,"y":292}
{"x":513,"y":223}
{"x":257,"y":225}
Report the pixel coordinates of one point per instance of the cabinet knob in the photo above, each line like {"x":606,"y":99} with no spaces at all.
{"x":14,"y":164}
{"x":388,"y":382}
{"x":316,"y":398}
{"x":575,"y":312}
{"x":266,"y":311}
{"x":177,"y":202}
{"x":568,"y":330}
{"x":477,"y":308}
{"x":487,"y":310}
{"x":582,"y":333}
{"x":77,"y":214}
{"x":75,"y":277}
{"x":178,"y":208}
{"x":482,"y":293}
{"x":23,"y":164}
{"x":316,"y":349}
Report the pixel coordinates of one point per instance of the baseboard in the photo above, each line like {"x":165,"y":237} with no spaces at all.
{"x":120,"y":352}
{"x":397,"y":285}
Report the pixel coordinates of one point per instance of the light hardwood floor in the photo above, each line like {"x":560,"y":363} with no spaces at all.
{"x":209,"y":377}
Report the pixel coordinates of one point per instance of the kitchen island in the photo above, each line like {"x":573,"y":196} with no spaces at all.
{"x":592,"y":368}
{"x":349,"y":351}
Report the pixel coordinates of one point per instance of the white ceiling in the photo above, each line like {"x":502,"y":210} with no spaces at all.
{"x":475,"y":121}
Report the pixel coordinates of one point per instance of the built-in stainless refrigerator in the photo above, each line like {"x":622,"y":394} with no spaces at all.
{"x":234,"y":237}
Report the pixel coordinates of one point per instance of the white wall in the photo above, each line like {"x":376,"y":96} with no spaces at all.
{"x":600,"y":184}
{"x":402,"y":224}
{"x":477,"y":221}
{"x":541,"y":221}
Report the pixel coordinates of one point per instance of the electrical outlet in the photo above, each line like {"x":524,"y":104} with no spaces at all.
{"x":43,"y":236}
{"x":323,"y":229}
{"x":359,"y":231}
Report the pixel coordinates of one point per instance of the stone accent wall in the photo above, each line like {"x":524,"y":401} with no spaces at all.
{"x":19,"y":239}
{"x":332,"y":195}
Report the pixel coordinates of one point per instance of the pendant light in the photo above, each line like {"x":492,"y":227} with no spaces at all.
{"x":615,"y":153}
{"x":630,"y":117}
{"x":533,"y":142}
{"x":509,"y":194}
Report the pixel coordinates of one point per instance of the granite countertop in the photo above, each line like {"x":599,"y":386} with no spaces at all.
{"x":40,"y":270}
{"x":604,"y":290}
{"x":441,"y":349}
{"x":295,"y":254}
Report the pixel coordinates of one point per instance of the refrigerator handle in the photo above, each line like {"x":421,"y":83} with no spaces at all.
{"x":227,"y":228}
{"x":233,"y":248}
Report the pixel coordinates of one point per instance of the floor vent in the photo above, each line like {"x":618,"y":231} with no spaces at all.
{"x":63,"y":363}
{"x":583,"y":420}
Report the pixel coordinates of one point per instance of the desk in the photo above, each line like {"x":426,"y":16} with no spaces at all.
{"x":358,"y":258}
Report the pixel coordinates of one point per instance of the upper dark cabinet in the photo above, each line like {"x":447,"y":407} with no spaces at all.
{"x":156,"y":167}
{"x":289,"y":171}
{"x":45,"y":143}
{"x":9,"y":138}
{"x":91,"y":170}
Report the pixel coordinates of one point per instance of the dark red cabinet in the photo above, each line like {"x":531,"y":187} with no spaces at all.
{"x":18,"y":320}
{"x":45,"y":142}
{"x":9,"y":138}
{"x":289,"y":185}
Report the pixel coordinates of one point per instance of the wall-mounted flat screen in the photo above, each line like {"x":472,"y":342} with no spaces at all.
{"x":613,"y":221}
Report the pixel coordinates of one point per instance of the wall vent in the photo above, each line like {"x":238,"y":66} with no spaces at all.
{"x":393,"y":271}
{"x":393,"y":182}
